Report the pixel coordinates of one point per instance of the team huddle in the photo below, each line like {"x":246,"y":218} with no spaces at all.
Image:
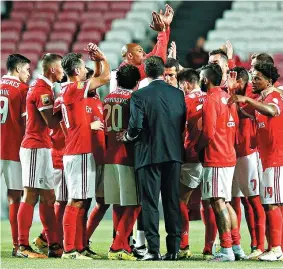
{"x":68,"y":149}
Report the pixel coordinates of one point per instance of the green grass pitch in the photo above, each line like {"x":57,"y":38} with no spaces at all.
{"x":101,"y":241}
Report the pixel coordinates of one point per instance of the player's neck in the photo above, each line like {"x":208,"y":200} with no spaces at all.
{"x":73,"y":78}
{"x":13,"y":74}
{"x":50,"y":77}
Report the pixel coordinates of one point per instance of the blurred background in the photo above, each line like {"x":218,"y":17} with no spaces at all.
{"x":34,"y":28}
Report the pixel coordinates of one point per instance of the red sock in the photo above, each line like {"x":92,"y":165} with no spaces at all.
{"x":275,"y":226}
{"x":236,"y":237}
{"x":69,"y":227}
{"x":47,"y":217}
{"x":281,"y":208}
{"x":117,"y":214}
{"x":25,"y":216}
{"x":59,"y":214}
{"x":236,"y":204}
{"x":226,"y":239}
{"x":94,"y":219}
{"x":80,"y":231}
{"x":260,"y":220}
{"x":185,"y":225}
{"x":267,"y":233}
{"x":43,"y":235}
{"x":13,"y":213}
{"x":210,"y":227}
{"x":125,"y":228}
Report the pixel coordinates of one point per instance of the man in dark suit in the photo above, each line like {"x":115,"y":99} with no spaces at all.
{"x":156,"y":125}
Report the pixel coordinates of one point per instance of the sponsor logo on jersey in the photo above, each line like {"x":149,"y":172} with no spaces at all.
{"x":81,"y":85}
{"x":231,"y":122}
{"x":88,"y":109}
{"x":45,"y":99}
{"x":261,"y":125}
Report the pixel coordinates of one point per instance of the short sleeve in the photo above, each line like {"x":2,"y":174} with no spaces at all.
{"x":57,"y":104}
{"x":44,"y":98}
{"x":76,"y":92}
{"x":276,"y":100}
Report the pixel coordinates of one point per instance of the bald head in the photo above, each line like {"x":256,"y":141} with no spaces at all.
{"x":133,"y":53}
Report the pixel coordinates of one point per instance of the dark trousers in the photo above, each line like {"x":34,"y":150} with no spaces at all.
{"x":164,"y":177}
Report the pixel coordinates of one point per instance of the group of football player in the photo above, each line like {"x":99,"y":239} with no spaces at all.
{"x":66,"y":150}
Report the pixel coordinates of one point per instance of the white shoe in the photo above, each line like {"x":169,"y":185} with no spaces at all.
{"x":273,"y":255}
{"x":74,"y":255}
{"x":223,"y":256}
{"x":255,"y":254}
{"x":239,"y":253}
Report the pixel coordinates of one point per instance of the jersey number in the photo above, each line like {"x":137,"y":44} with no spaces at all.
{"x":4,"y":104}
{"x":116,"y":122}
{"x":65,"y":115}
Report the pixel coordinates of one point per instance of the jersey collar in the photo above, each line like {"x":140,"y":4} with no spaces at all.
{"x":195,"y":90}
{"x":11,"y":77}
{"x":46,"y":80}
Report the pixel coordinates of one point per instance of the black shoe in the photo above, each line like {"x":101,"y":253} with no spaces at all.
{"x":170,"y":257}
{"x":139,"y":252}
{"x":151,"y":257}
{"x":14,"y":251}
{"x":55,"y":251}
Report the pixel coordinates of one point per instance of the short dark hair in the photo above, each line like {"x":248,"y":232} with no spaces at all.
{"x":220,"y":52}
{"x":14,"y":60}
{"x":213,"y":73}
{"x":49,"y":58}
{"x":241,"y":73}
{"x":171,"y":62}
{"x":188,"y":74}
{"x":90,"y":73}
{"x":154,"y":67}
{"x":128,"y":76}
{"x":263,"y":57}
{"x":268,"y":70}
{"x":70,"y":62}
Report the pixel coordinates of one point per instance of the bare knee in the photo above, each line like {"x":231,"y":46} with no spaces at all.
{"x":76,"y":203}
{"x":47,"y":197}
{"x":14,"y":196}
{"x":30,"y":196}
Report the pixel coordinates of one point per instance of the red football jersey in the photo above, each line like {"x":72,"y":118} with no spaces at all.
{"x":57,"y":139}
{"x":98,"y":137}
{"x":40,"y":97}
{"x":12,"y":109}
{"x":270,"y":133}
{"x":74,"y":111}
{"x":116,"y":116}
{"x":220,"y":123}
{"x":194,"y":102}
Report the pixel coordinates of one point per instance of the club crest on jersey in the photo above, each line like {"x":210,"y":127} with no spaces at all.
{"x":88,"y":109}
{"x":81,"y":85}
{"x":231,"y":122}
{"x":45,"y":99}
{"x":224,"y":100}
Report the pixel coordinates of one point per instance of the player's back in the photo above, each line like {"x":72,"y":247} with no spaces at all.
{"x":194,"y":102}
{"x":40,"y":97}
{"x":116,"y":117}
{"x":12,"y":109}
{"x":220,"y":151}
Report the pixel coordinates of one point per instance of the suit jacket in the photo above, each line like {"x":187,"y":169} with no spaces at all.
{"x":157,"y":122}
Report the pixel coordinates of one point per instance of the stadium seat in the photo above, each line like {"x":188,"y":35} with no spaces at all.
{"x":23,"y":5}
{"x":57,"y":47}
{"x":61,"y":36}
{"x":44,"y":16}
{"x":97,"y":6}
{"x":33,"y":57}
{"x":137,"y":28}
{"x":73,"y":6}
{"x":145,"y":5}
{"x":30,"y":46}
{"x":47,"y":6}
{"x":8,"y":25}
{"x":141,"y":15}
{"x":12,"y":36}
{"x":122,"y":35}
{"x":91,"y":15}
{"x":65,"y":26}
{"x":66,"y":16}
{"x":38,"y":36}
{"x":113,"y":59}
{"x":110,"y":46}
{"x":94,"y":25}
{"x":87,"y":36}
{"x":18,"y":15}
{"x":243,"y":5}
{"x":8,"y":47}
{"x":38,"y":25}
{"x":266,"y":5}
{"x":111,"y":15}
{"x":121,"y":6}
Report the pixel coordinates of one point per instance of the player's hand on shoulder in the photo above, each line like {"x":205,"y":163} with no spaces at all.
{"x":97,"y":125}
